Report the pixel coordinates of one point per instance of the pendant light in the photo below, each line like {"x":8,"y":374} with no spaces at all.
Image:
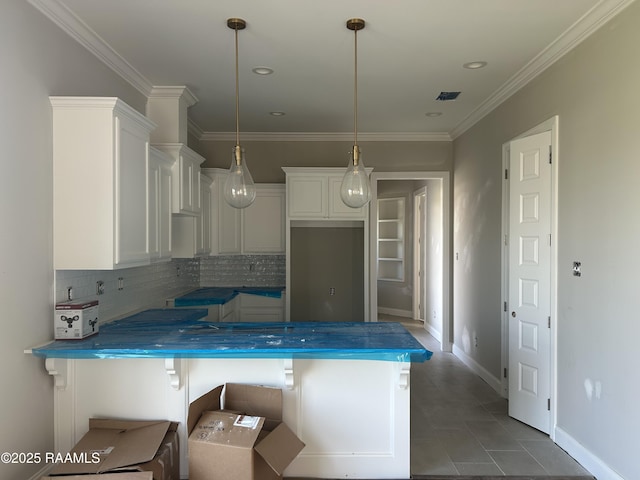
{"x":239,"y":189}
{"x":355,"y":190}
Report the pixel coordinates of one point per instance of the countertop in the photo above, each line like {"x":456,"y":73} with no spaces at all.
{"x":221,"y":295}
{"x":168,"y":333}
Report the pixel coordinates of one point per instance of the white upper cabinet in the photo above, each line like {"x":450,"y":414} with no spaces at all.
{"x":263,"y":221}
{"x":225,"y":220}
{"x":257,"y":229}
{"x":307,"y":196}
{"x":314,"y":194}
{"x":160,"y":187}
{"x":192,"y":234}
{"x":100,"y":164}
{"x":186,"y":177}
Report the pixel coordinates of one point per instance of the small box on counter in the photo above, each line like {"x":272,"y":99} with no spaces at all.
{"x":124,"y":449}
{"x":247,"y":440}
{"x":74,"y":320}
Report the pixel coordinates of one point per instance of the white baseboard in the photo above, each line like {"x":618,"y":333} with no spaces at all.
{"x":584,"y":457}
{"x":437,"y":334}
{"x":478,"y":369}
{"x":395,"y":311}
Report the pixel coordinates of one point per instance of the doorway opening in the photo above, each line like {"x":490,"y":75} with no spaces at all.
{"x":394,"y":287}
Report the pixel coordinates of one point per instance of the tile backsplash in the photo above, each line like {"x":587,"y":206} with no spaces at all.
{"x":143,"y":287}
{"x":150,"y":286}
{"x":243,"y":270}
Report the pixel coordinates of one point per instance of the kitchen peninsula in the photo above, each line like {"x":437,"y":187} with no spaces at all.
{"x":345,"y":385}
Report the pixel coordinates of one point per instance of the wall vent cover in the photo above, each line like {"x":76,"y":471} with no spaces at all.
{"x":444,"y":96}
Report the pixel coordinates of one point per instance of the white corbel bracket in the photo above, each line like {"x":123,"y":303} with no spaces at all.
{"x":173,"y":366}
{"x":288,"y":374}
{"x":58,"y":368}
{"x":404,"y":378}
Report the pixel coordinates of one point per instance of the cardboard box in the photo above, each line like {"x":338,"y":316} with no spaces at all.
{"x":115,"y":446}
{"x":73,"y":320}
{"x":239,"y":435}
{"x":107,"y":476}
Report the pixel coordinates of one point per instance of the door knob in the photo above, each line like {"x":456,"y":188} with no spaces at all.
{"x":513,"y":314}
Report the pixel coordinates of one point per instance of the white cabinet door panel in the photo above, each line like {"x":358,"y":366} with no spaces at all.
{"x":263,"y":222}
{"x":307,"y":197}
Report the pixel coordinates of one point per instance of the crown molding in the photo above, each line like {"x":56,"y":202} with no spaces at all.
{"x":324,"y":137}
{"x":194,"y":129}
{"x":567,"y":41}
{"x":182,"y":92}
{"x":85,"y":36}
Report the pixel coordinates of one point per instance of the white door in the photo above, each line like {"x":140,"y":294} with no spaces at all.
{"x":419,"y":255}
{"x":530,"y":279}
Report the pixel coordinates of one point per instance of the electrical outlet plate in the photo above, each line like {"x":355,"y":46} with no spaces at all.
{"x":577,"y":269}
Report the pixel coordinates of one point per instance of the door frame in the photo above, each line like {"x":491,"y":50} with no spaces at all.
{"x":445,"y":178}
{"x":552,"y":126}
{"x":419,"y":222}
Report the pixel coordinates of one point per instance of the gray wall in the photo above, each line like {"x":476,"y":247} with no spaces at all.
{"x":38,"y":60}
{"x":265,"y":159}
{"x":594,"y":90}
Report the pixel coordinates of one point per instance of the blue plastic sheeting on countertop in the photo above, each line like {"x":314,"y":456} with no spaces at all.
{"x":158,"y":334}
{"x":221,"y":295}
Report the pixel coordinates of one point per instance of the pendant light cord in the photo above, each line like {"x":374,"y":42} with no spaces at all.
{"x":355,"y":90}
{"x":237,"y":94}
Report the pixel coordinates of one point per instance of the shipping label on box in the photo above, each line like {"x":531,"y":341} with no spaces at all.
{"x":73,"y":320}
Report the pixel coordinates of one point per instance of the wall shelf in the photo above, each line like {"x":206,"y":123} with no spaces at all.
{"x":391,"y":239}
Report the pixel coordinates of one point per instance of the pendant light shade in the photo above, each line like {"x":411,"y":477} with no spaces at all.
{"x":239,"y":189}
{"x":355,"y":190}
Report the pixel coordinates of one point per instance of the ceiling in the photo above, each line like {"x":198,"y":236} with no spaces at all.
{"x":409,"y":52}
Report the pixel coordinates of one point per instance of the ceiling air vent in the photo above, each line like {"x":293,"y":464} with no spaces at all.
{"x":444,"y":96}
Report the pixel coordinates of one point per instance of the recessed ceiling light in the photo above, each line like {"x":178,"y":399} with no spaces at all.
{"x":474,"y":65}
{"x":433,"y":114}
{"x":262,"y":70}
{"x":277,"y":114}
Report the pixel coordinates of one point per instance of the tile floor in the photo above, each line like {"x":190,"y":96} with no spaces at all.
{"x":460,"y":426}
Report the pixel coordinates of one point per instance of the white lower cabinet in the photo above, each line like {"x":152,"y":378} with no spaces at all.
{"x":229,"y":311}
{"x":100,"y":186}
{"x":259,"y":308}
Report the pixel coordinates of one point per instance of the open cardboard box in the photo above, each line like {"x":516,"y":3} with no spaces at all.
{"x":239,"y":436}
{"x":113,"y":446}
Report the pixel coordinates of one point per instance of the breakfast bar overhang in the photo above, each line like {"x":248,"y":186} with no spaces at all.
{"x":345,"y":385}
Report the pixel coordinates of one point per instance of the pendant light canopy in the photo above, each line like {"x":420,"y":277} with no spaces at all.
{"x":355,"y":190}
{"x":239,"y":189}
